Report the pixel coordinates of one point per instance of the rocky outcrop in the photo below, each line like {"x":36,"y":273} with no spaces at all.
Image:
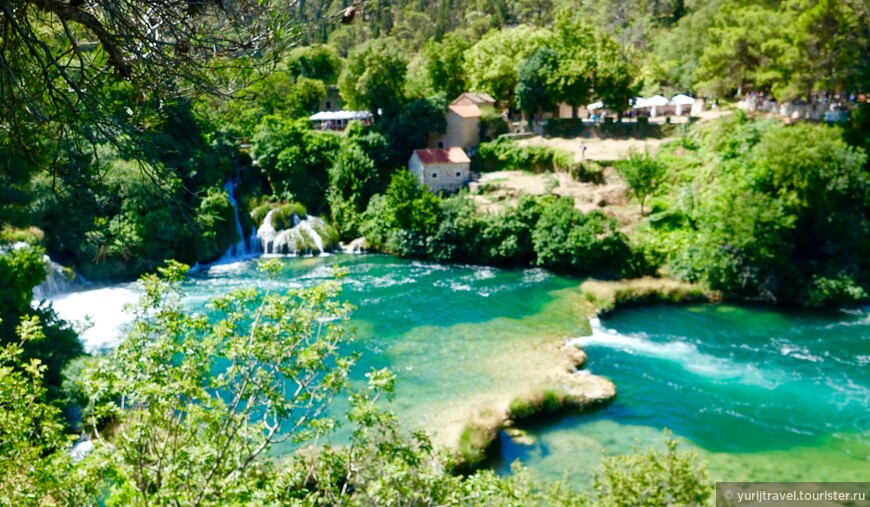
{"x":568,"y":389}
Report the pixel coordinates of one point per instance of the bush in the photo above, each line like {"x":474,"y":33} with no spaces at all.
{"x":841,"y":290}
{"x":30,"y":235}
{"x":283,"y":217}
{"x":505,"y":155}
{"x":492,"y":125}
{"x":653,"y":478}
{"x":545,"y":401}
{"x":606,"y":296}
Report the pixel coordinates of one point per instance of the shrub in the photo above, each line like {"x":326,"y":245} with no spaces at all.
{"x":826,"y":291}
{"x":653,"y":477}
{"x":505,"y":155}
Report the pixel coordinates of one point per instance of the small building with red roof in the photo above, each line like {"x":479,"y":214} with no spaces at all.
{"x":447,"y":169}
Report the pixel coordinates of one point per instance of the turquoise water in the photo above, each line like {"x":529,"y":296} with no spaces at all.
{"x":760,"y":394}
{"x":455,"y":336}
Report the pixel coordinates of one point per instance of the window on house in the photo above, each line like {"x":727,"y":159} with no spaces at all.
{"x":328,"y":105}
{"x":458,"y":174}
{"x":434,"y":175}
{"x":440,"y":144}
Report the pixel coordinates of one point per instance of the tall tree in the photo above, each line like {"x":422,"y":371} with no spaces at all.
{"x":492,"y":63}
{"x":824,"y":47}
{"x":533,"y":90}
{"x":739,"y":50}
{"x":374,"y":77}
{"x":574,"y":41}
{"x":444,"y":63}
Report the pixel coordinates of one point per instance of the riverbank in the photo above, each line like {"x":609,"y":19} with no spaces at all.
{"x":606,"y":296}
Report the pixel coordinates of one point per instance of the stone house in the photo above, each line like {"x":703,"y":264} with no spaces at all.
{"x":463,"y":128}
{"x":332,"y":101}
{"x":441,"y":169}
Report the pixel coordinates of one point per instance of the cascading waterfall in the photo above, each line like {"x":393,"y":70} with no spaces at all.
{"x":306,"y":236}
{"x":245,"y":247}
{"x":58,"y":279}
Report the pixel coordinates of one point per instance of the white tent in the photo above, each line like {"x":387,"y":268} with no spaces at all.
{"x":340,"y":115}
{"x":639,"y":102}
{"x":680,"y":101}
{"x":657,"y":101}
{"x":595,"y":105}
{"x":654,"y":102}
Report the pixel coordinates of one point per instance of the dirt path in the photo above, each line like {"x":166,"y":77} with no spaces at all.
{"x":497,"y":189}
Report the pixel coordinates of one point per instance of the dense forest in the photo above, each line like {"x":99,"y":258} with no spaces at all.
{"x":124,"y":123}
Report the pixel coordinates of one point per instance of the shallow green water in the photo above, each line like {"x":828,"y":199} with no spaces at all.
{"x":449,"y":333}
{"x":762,"y":395}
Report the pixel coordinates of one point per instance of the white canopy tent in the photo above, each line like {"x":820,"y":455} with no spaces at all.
{"x":639,"y":103}
{"x":680,"y":101}
{"x":657,"y":101}
{"x":340,"y":115}
{"x":595,"y":105}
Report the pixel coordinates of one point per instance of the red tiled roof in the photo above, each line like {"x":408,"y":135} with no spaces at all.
{"x":471,"y":111}
{"x":453,"y":155}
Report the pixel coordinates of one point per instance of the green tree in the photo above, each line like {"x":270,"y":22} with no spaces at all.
{"x":643,"y":174}
{"x":615,"y":75}
{"x":374,"y":77}
{"x":295,"y":159}
{"x":199,"y":432}
{"x":574,"y":41}
{"x":22,"y":269}
{"x":676,"y":52}
{"x":533,"y":92}
{"x":318,"y":61}
{"x":353,"y":179}
{"x":537,"y":12}
{"x":823,"y":48}
{"x":35,"y":465}
{"x":444,"y":61}
{"x":492,"y":63}
{"x":741,"y":49}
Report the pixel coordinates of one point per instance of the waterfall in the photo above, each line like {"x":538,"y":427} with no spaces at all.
{"x":242,"y":248}
{"x":58,"y":280}
{"x":306,"y":236}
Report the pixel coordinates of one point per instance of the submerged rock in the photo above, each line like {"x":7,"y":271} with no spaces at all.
{"x":521,"y":437}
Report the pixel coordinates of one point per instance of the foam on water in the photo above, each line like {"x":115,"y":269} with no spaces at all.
{"x":678,"y":351}
{"x":103,"y":308}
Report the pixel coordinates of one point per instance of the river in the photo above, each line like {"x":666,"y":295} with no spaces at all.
{"x":760,"y":394}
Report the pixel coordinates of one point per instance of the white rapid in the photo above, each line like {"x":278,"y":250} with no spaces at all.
{"x":305,"y":237}
{"x":99,"y":311}
{"x":679,"y":351}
